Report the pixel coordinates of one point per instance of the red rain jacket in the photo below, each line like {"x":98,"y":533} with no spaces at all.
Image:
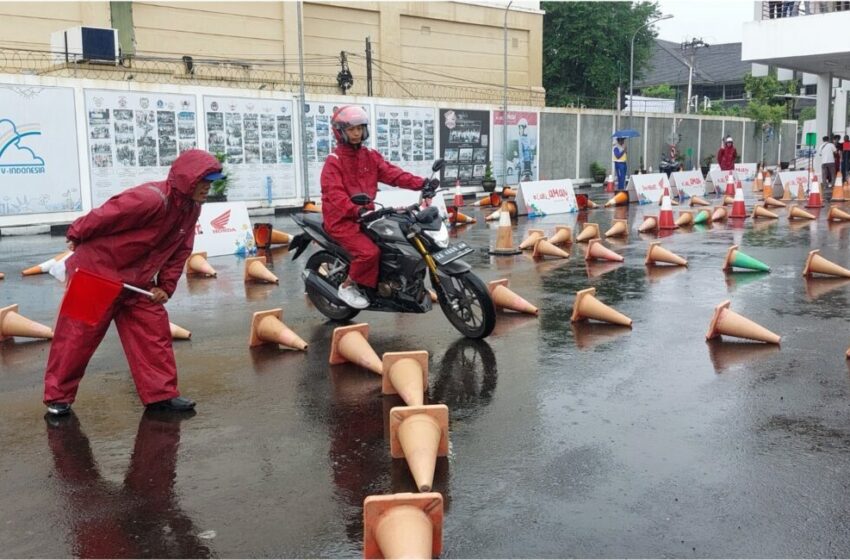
{"x":726,"y":157}
{"x":144,"y":234}
{"x":349,"y":171}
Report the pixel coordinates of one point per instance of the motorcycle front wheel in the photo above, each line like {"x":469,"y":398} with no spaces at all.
{"x":333,"y":271}
{"x":466,"y":303}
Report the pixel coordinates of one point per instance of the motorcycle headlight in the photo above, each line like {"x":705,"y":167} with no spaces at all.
{"x":440,"y":237}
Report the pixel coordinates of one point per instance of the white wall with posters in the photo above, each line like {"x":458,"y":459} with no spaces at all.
{"x":523,"y":141}
{"x":39,"y":160}
{"x":405,"y":136}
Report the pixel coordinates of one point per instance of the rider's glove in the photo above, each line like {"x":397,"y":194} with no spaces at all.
{"x":429,"y":187}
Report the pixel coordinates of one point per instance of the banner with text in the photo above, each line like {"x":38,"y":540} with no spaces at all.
{"x":541,"y":198}
{"x":224,"y":228}
{"x":647,"y":188}
{"x":405,"y":137}
{"x":523,"y":133}
{"x":686,"y":184}
{"x":746,"y":173}
{"x":715,"y":181}
{"x":792,"y":180}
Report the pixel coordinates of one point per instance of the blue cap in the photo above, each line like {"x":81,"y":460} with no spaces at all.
{"x":214,"y":176}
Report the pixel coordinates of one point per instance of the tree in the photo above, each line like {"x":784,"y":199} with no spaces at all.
{"x":664,"y":91}
{"x":586,"y":49}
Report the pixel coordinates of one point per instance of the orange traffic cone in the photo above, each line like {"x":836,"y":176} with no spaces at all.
{"x":280,"y":237}
{"x":739,"y":209}
{"x":719,"y":214}
{"x":563,"y":236}
{"x":836,"y":214}
{"x":197,"y":264}
{"x":838,"y":192}
{"x":618,"y":199}
{"x":786,"y":193}
{"x":730,"y":185}
{"x":255,"y":269}
{"x":796,"y":212}
{"x":697,"y":201}
{"x":405,"y":374}
{"x":771,"y":202}
{"x":310,"y":206}
{"x":179,"y":333}
{"x":457,"y":201}
{"x":727,"y":322}
{"x":685,"y":219}
{"x":586,"y":306}
{"x":351,"y":344}
{"x":459,"y":218}
{"x":543,"y":248}
{"x":591,"y":204}
{"x":590,"y":231}
{"x":505,"y":298}
{"x":504,"y":237}
{"x":657,"y":253}
{"x":531,"y":239}
{"x":649,"y":224}
{"x":815,"y":200}
{"x":492,"y":199}
{"x":758,"y":184}
{"x":665,"y":217}
{"x":760,"y":211}
{"x":404,"y":525}
{"x":767,"y":189}
{"x":816,"y":264}
{"x":268,"y":327}
{"x":44,"y":267}
{"x":609,"y":184}
{"x":509,"y":192}
{"x":14,"y":324}
{"x":420,"y":434}
{"x":619,"y":229}
{"x":728,"y":200}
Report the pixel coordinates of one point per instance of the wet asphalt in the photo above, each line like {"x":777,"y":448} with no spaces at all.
{"x":567,"y":440}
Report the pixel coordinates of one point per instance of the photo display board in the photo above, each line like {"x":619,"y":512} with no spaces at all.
{"x":523,"y":134}
{"x":256,"y":137}
{"x":134,"y":137}
{"x":405,"y":137}
{"x":465,"y":145}
{"x":39,"y":167}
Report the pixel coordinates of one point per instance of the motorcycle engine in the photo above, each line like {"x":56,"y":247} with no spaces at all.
{"x":388,"y":288}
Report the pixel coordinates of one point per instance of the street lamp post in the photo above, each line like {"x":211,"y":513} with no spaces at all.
{"x":505,"y":106}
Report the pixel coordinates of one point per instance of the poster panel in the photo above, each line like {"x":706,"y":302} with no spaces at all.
{"x":523,"y":133}
{"x":39,"y":169}
{"x":465,"y":145}
{"x":647,"y":188}
{"x":134,"y":137}
{"x":686,"y":184}
{"x":793,"y":180}
{"x":255,"y":135}
{"x":405,"y":137}
{"x":746,"y":173}
{"x":224,"y":228}
{"x":715,"y":181}
{"x":541,"y":198}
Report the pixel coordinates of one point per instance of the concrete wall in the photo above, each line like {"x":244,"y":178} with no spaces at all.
{"x":594,"y":141}
{"x":558,"y":134}
{"x":688,"y":131}
{"x":710,"y":136}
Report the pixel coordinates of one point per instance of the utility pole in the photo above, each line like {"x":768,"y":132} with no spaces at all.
{"x":691,"y":48}
{"x":368,"y":67}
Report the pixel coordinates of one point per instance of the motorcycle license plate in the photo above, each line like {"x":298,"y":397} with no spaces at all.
{"x":452,"y":253}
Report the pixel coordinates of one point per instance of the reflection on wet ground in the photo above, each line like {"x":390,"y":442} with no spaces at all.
{"x":567,"y":439}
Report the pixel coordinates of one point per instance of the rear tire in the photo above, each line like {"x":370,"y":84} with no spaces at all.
{"x":466,"y":303}
{"x":322,"y":264}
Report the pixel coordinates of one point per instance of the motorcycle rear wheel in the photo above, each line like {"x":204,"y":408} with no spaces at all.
{"x":322,"y":263}
{"x":466,"y":303}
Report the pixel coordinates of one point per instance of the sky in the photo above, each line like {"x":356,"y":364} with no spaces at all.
{"x":713,"y":21}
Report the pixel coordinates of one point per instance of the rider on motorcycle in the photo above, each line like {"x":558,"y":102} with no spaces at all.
{"x":350,"y":169}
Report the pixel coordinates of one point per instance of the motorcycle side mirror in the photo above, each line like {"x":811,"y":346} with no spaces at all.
{"x":361,"y":199}
{"x":438,"y":165}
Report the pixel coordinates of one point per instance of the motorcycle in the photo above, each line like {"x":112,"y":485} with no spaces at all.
{"x":414,"y":242}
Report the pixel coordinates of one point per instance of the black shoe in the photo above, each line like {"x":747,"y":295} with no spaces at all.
{"x":177,"y":404}
{"x":58,"y":409}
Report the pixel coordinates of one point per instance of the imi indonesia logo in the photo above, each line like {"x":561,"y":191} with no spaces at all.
{"x":15,"y":157}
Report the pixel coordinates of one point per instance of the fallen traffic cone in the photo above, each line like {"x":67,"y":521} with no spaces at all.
{"x":836,"y":214}
{"x":197,"y":264}
{"x":796,"y":212}
{"x":531,"y":239}
{"x":760,"y":211}
{"x":492,"y":217}
{"x":697,"y":201}
{"x":492,"y":199}
{"x":543,"y":248}
{"x":665,"y":217}
{"x":771,"y":202}
{"x":657,"y":253}
{"x":590,"y":231}
{"x":268,"y":327}
{"x":504,"y":237}
{"x":739,"y":209}
{"x":649,"y":224}
{"x":586,"y":306}
{"x":351,"y":344}
{"x":2,"y":276}
{"x":838,"y":190}
{"x":619,"y":229}
{"x":816,"y":264}
{"x":404,"y":525}
{"x":727,"y":322}
{"x":44,"y":267}
{"x":563,"y":236}
{"x":596,"y":250}
{"x":310,"y":206}
{"x":255,"y":269}
{"x":179,"y":333}
{"x":420,"y":434}
{"x":685,"y":219}
{"x":737,"y":259}
{"x":14,"y":324}
{"x":507,"y":191}
{"x":592,"y":205}
{"x":730,"y":185}
{"x":815,"y":200}
{"x":280,"y":237}
{"x":618,"y":199}
{"x":702,"y":217}
{"x":728,"y":200}
{"x":505,"y":298}
{"x":719,"y":214}
{"x":609,"y":184}
{"x":767,"y":189}
{"x":405,"y":374}
{"x":459,"y":218}
{"x":457,"y":201}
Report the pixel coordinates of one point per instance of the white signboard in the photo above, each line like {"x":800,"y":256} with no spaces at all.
{"x":539,"y":198}
{"x":793,"y":180}
{"x":224,"y":229}
{"x":746,"y":173}
{"x":523,"y":133}
{"x":715,"y":182}
{"x":405,"y":137}
{"x":395,"y":197}
{"x":686,"y":184}
{"x":648,"y":188}
{"x":134,"y":137}
{"x":39,"y":169}
{"x":256,"y":136}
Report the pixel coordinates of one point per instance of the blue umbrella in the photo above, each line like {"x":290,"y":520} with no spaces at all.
{"x":626,"y":133}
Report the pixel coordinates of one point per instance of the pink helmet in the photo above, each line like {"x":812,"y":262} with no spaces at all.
{"x":347,"y":116}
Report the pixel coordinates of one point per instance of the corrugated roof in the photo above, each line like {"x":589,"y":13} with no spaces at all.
{"x":715,"y":64}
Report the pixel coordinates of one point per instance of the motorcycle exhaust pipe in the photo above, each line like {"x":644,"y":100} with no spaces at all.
{"x":316,"y":282}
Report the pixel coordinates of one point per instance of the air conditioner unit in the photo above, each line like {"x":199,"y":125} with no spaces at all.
{"x":85,"y":44}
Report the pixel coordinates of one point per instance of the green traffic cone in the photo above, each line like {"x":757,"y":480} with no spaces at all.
{"x":735,"y":258}
{"x":701,"y":217}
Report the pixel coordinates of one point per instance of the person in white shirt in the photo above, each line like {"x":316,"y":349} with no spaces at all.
{"x":827,"y":160}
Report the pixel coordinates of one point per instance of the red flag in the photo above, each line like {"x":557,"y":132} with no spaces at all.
{"x":89,"y":296}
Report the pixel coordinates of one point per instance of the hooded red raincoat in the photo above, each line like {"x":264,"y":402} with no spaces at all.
{"x":349,"y":171}
{"x":141,"y":236}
